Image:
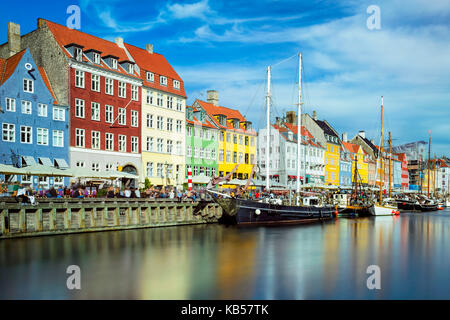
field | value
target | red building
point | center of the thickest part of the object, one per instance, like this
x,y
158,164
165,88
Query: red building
x,y
405,175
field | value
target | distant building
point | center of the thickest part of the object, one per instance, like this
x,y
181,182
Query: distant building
x,y
345,164
34,124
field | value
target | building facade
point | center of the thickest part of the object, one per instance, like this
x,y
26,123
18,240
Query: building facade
x,y
34,124
359,160
332,152
201,143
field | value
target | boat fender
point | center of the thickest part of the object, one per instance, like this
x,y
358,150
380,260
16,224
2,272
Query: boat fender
x,y
257,212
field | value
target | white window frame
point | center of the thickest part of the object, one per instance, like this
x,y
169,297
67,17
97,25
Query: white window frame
x,y
96,57
42,107
9,131
79,79
134,92
95,82
134,144
163,81
122,116
29,133
28,85
95,111
58,138
134,118
122,143
80,136
59,114
109,86
149,120
79,108
150,76
26,107
122,89
42,136
10,104
109,113
109,141
95,140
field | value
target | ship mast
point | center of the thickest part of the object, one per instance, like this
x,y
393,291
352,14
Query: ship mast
x,y
268,129
381,154
299,120
429,158
390,156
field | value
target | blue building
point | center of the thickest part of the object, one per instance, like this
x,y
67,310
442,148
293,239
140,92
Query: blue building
x,y
346,168
34,126
397,174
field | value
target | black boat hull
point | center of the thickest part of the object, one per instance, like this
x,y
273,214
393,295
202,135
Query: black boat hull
x,y
248,212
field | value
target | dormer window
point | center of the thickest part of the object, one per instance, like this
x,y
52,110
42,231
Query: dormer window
x,y
78,54
113,63
130,68
96,57
176,84
163,80
150,76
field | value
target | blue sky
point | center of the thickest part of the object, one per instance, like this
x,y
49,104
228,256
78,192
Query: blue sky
x,y
227,45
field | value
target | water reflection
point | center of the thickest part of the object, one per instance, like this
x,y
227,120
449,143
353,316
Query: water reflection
x,y
321,261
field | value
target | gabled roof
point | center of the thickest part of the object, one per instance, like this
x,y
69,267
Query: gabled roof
x,y
156,63
351,147
325,126
285,128
213,110
7,66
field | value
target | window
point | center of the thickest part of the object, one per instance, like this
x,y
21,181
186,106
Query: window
x,y
79,164
179,126
95,141
169,146
195,132
79,108
159,100
202,153
95,111
79,137
149,97
95,166
109,114
195,152
169,124
246,141
78,54
228,137
240,139
149,169
234,139
221,155
58,138
109,141
149,143
134,93
252,160
134,118
130,68
169,102
109,86
189,151
150,76
9,132
221,135
195,171
122,89
26,135
159,145
134,144
26,107
59,114
95,82
42,110
109,167
241,156
122,116
42,136
235,157
176,84
213,154
159,122
189,131
162,80
122,143
10,104
149,120
228,156
28,85
159,170
202,133
79,79
179,150
179,104
113,63
96,57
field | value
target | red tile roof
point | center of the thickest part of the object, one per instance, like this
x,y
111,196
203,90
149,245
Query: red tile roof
x,y
352,148
9,65
156,63
213,110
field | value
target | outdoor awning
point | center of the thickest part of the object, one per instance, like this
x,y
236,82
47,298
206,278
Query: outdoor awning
x,y
28,160
8,169
61,163
45,162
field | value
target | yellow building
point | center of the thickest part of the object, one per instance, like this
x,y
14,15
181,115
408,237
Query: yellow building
x,y
361,162
332,153
162,119
237,138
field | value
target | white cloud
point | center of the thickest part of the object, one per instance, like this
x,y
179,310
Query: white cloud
x,y
194,10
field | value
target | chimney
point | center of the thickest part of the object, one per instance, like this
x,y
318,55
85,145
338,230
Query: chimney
x,y
291,117
40,22
119,42
344,137
13,38
362,134
314,115
213,97
149,48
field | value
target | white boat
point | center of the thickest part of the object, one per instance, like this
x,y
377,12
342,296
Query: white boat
x,y
383,210
447,203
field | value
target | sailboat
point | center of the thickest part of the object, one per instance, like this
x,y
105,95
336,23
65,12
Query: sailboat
x,y
236,210
380,208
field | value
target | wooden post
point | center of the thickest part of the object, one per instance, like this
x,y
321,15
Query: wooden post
x,y
82,218
148,214
117,215
94,217
22,220
5,221
38,224
52,219
139,212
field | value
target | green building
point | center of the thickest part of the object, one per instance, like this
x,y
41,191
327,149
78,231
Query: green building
x,y
201,143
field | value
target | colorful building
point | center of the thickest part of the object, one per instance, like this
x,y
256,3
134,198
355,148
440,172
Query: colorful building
x,y
201,143
34,124
162,120
356,152
332,153
345,172
237,138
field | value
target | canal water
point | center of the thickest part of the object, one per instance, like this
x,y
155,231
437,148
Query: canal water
x,y
321,261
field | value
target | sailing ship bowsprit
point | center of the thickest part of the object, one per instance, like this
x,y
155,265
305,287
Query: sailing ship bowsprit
x,y
237,210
